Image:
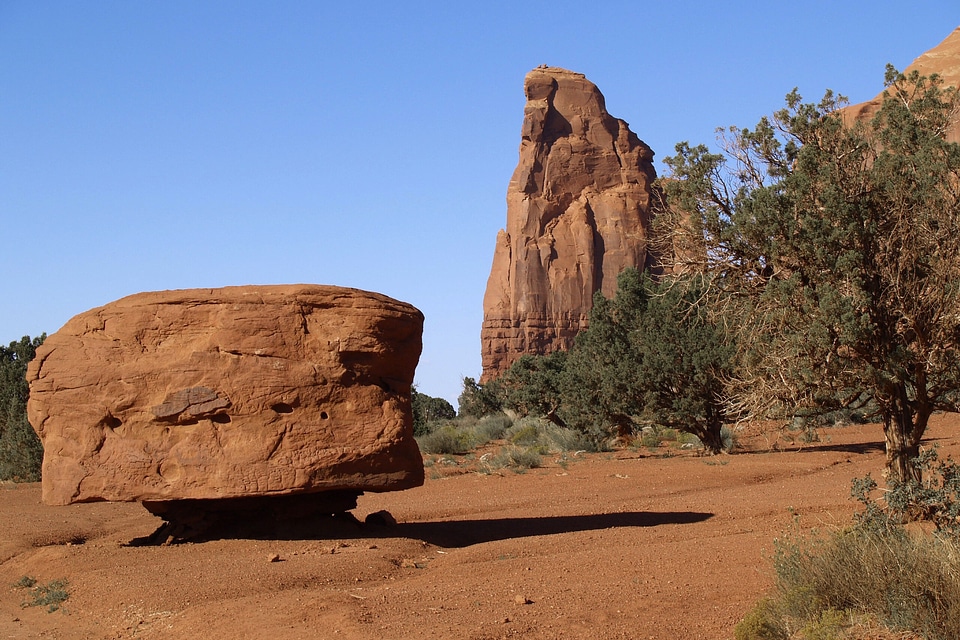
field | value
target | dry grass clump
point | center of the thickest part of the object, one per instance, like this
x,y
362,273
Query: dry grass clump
x,y
876,572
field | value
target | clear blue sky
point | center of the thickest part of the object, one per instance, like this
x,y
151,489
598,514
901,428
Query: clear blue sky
x,y
175,144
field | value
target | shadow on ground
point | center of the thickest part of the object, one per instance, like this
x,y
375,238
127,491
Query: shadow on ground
x,y
442,533
464,533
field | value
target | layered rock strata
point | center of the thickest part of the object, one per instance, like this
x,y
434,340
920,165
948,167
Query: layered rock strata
x,y
578,212
229,394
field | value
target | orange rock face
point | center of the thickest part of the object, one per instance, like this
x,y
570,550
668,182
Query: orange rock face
x,y
228,393
578,212
944,60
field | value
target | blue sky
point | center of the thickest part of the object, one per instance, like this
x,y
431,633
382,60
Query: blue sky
x,y
176,144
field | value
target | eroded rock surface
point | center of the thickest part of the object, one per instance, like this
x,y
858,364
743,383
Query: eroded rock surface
x,y
228,393
578,212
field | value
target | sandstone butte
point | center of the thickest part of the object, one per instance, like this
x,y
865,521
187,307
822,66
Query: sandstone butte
x,y
212,395
944,60
578,212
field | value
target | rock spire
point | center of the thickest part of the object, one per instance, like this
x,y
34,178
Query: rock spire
x,y
578,212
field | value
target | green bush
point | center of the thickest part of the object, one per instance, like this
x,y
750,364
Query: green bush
x,y
492,427
447,439
20,450
763,622
50,595
908,581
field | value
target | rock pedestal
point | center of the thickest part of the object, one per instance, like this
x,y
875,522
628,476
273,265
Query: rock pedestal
x,y
578,212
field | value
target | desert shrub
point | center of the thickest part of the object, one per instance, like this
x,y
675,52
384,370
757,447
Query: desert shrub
x,y
463,434
934,497
492,427
908,581
50,595
649,438
447,439
763,622
562,440
524,458
518,458
525,431
728,439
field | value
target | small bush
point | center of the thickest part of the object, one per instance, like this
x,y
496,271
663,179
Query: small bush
x,y
492,427
877,569
447,439
561,440
525,432
689,439
728,438
524,458
763,622
50,595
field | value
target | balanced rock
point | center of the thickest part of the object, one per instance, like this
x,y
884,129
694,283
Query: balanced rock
x,y
944,60
229,394
578,212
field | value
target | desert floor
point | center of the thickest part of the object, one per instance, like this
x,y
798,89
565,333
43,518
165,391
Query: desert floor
x,y
634,544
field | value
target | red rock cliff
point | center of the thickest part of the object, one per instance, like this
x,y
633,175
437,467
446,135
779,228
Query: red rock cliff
x,y
578,212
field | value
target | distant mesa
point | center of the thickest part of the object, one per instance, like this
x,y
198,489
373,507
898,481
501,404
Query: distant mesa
x,y
202,403
579,208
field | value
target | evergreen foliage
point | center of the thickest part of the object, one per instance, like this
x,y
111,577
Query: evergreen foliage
x,y
428,409
478,400
839,244
20,450
652,355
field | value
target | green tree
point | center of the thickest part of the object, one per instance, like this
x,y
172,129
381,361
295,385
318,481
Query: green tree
x,y
840,243
653,354
427,409
478,400
20,450
532,386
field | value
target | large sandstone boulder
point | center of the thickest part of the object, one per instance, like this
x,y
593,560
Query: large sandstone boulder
x,y
944,60
578,212
226,394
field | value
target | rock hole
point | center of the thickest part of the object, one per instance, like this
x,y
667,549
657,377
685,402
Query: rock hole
x,y
282,407
113,422
220,418
323,415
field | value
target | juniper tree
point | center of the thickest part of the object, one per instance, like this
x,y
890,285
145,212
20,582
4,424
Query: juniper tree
x,y
654,354
20,450
840,243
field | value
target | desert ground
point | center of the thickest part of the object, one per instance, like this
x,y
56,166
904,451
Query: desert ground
x,y
640,544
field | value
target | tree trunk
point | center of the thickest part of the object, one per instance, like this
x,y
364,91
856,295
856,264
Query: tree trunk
x,y
903,430
711,436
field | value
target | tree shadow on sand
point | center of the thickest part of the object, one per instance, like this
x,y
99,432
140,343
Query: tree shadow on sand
x,y
442,533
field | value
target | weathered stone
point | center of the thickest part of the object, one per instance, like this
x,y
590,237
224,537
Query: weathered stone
x,y
578,212
227,394
944,60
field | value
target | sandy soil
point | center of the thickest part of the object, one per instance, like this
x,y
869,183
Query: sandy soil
x,y
634,544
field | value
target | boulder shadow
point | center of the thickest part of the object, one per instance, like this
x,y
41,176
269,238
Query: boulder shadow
x,y
441,533
464,533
